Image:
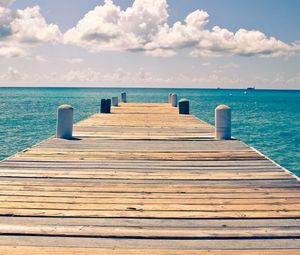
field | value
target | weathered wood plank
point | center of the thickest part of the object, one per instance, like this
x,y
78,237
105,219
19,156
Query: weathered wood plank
x,y
133,212
150,232
19,250
175,244
148,222
145,200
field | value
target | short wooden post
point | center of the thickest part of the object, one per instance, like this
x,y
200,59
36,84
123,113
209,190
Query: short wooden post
x,y
169,101
223,122
174,100
184,106
124,97
64,127
115,101
105,106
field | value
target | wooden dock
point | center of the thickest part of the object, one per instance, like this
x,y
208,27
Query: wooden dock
x,y
146,180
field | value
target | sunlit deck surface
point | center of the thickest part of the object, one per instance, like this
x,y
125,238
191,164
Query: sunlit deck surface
x,y
146,180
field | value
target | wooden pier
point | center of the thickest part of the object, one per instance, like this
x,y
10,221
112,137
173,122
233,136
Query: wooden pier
x,y
146,180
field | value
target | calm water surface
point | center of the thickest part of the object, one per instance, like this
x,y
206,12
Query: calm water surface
x,y
267,120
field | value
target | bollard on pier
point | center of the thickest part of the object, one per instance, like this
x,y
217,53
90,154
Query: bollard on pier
x,y
184,106
124,97
174,100
64,127
169,100
115,101
105,106
223,122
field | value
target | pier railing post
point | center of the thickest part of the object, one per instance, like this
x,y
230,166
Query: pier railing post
x,y
223,122
124,97
174,100
115,101
170,95
184,106
64,127
105,106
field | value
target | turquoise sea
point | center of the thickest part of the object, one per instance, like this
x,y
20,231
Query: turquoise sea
x,y
266,119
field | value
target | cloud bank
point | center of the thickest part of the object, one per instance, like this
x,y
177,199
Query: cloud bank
x,y
144,27
22,29
6,3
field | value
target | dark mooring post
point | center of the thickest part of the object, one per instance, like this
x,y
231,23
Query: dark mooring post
x,y
115,101
124,97
184,106
105,106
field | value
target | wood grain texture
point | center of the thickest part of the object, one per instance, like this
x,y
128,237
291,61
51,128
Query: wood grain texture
x,y
146,180
19,250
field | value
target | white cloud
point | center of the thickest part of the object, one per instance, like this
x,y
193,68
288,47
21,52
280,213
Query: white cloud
x,y
160,52
206,64
22,29
30,27
118,76
244,43
107,27
144,27
6,2
216,78
11,52
74,60
231,66
294,80
40,58
279,79
12,74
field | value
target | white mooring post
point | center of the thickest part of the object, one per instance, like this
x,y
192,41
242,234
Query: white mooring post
x,y
174,100
184,106
115,101
124,97
64,128
223,122
169,101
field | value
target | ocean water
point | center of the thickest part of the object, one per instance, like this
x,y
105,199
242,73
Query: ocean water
x,y
268,120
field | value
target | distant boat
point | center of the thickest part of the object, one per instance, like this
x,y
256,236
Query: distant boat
x,y
245,92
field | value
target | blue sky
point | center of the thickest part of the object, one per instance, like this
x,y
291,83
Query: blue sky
x,y
230,43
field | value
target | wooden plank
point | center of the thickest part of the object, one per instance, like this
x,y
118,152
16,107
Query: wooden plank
x,y
148,222
154,188
146,200
19,250
153,207
290,184
150,232
146,175
172,244
133,212
150,195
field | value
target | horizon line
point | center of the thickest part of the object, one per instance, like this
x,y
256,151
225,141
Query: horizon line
x,y
142,87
